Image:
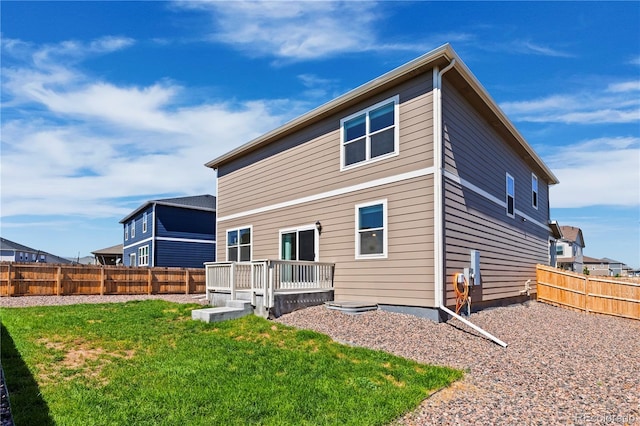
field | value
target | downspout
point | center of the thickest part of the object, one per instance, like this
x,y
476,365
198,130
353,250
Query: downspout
x,y
438,214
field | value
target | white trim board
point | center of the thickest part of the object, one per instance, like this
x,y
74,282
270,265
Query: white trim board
x,y
490,197
333,193
183,240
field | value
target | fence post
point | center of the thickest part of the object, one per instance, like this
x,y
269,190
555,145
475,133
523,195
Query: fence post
x,y
102,281
9,280
149,282
186,281
59,282
586,294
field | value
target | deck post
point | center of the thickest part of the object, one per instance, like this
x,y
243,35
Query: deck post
x,y
232,279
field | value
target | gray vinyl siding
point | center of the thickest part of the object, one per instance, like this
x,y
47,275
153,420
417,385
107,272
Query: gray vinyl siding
x,y
308,162
405,277
509,247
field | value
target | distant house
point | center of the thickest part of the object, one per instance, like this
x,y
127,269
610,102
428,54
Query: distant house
x,y
607,267
108,256
401,183
171,232
13,252
569,249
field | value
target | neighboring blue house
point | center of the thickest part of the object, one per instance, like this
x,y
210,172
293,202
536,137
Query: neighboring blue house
x,y
14,252
171,232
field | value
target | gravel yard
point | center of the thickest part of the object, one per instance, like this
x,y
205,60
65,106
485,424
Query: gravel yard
x,y
561,367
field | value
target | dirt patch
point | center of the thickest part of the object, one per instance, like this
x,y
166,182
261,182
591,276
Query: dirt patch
x,y
77,358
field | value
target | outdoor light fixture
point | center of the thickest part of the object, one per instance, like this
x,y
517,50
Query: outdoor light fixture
x,y
319,227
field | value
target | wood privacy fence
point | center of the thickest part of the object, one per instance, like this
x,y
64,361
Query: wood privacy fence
x,y
37,279
603,295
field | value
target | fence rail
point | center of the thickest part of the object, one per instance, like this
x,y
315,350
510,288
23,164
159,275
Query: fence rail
x,y
603,295
25,279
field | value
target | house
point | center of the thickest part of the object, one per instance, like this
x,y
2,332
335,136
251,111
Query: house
x,y
108,256
13,252
598,267
569,249
177,232
606,267
400,184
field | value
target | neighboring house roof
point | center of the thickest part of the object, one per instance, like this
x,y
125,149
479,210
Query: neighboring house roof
x,y
196,202
11,245
440,57
593,260
573,234
113,250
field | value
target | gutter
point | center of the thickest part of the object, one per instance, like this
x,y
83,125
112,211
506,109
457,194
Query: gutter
x,y
438,213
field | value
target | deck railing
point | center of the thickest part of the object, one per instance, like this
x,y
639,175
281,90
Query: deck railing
x,y
267,277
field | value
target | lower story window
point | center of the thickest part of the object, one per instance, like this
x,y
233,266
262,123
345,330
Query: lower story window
x,y
132,259
143,256
239,245
371,230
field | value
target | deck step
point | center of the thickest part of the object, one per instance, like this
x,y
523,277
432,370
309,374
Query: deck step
x,y
233,309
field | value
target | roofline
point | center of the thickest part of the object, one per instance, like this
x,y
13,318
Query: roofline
x,y
443,52
162,203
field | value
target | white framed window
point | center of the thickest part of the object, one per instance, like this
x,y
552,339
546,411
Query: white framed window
x,y
126,232
371,230
239,244
133,228
534,191
132,259
143,256
300,243
511,196
370,135
144,222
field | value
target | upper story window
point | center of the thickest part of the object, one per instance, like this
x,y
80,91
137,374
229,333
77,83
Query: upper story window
x,y
511,196
133,228
144,222
371,230
534,191
239,245
370,135
560,250
126,231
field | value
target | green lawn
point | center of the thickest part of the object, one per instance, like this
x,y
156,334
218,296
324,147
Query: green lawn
x,y
148,363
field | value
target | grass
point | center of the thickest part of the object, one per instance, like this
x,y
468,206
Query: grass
x,y
147,363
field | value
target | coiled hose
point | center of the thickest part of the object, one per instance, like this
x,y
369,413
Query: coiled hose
x,y
462,297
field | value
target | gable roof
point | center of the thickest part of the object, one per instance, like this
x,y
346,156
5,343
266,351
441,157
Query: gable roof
x,y
573,234
195,202
442,56
11,245
113,250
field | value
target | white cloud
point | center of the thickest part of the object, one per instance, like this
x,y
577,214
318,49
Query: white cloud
x,y
75,146
303,30
603,171
616,103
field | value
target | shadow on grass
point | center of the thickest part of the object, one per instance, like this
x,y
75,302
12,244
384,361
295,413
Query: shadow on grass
x,y
27,405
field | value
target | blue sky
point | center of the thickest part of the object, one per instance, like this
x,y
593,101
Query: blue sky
x,y
108,104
